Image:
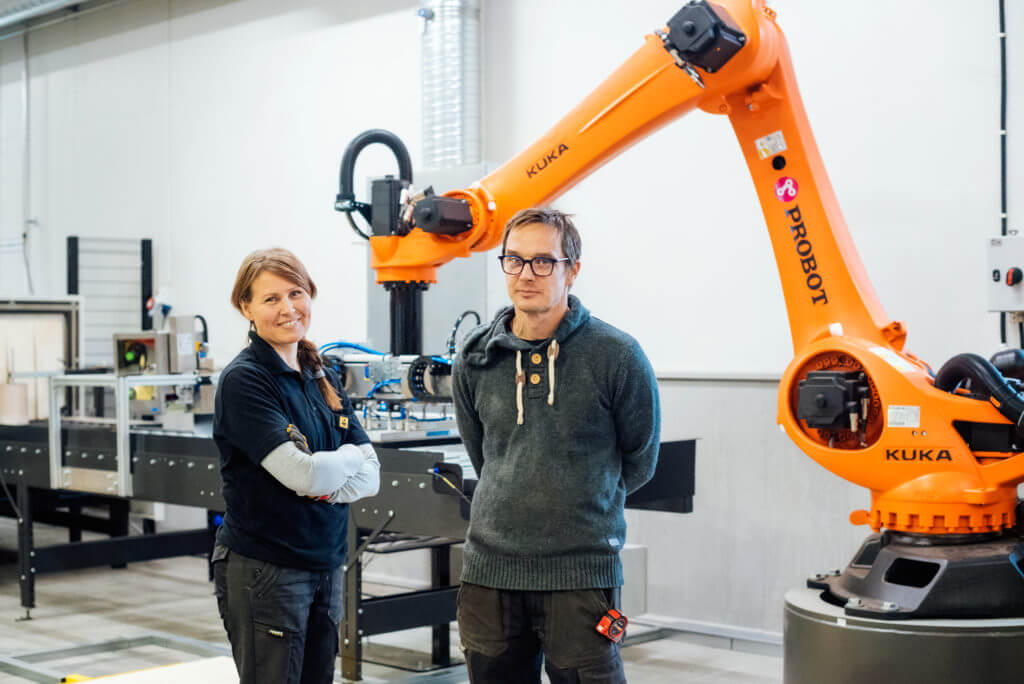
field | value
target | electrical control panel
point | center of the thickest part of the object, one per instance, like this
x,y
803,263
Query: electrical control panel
x,y
1006,274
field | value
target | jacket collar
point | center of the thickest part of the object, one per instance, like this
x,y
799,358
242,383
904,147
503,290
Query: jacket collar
x,y
269,357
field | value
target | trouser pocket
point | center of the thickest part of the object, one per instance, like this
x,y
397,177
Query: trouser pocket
x,y
220,589
277,655
570,638
483,619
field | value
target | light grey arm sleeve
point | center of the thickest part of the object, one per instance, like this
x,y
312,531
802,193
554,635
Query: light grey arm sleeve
x,y
365,482
317,474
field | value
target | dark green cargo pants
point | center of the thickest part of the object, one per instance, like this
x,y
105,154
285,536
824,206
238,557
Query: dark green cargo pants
x,y
508,635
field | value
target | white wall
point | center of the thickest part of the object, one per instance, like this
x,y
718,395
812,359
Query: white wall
x,y
903,98
765,516
214,128
217,127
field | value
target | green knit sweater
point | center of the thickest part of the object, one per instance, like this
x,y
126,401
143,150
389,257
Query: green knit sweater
x,y
559,432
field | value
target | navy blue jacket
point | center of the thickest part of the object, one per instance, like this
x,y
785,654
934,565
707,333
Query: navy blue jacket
x,y
258,396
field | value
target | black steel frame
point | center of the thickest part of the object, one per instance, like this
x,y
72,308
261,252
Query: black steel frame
x,y
434,607
116,552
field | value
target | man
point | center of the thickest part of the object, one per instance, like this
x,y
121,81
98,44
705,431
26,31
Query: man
x,y
559,413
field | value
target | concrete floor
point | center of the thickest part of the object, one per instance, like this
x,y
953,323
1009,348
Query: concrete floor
x,y
173,597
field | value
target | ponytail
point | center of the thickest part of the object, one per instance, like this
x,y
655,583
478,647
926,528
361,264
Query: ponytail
x,y
309,358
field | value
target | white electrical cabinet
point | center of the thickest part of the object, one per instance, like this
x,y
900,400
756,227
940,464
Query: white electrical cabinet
x,y
1006,274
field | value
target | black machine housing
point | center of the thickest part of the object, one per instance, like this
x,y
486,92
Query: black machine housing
x,y
705,35
826,399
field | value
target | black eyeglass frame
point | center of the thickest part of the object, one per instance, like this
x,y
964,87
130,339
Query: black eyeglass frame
x,y
555,262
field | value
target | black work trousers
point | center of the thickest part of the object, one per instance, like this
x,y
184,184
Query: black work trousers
x,y
507,636
282,622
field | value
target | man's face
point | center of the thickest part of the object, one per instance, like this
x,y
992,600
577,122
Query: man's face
x,y
280,309
530,293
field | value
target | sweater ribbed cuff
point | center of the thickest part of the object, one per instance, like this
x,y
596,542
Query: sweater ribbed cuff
x,y
528,573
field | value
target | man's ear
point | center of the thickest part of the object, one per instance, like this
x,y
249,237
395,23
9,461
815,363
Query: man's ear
x,y
574,271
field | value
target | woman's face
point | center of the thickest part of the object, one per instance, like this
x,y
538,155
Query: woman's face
x,y
280,309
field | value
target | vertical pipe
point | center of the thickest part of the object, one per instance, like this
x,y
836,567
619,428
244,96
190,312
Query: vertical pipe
x,y
26,184
450,97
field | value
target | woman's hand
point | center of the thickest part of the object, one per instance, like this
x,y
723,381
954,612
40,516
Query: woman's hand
x,y
300,439
302,444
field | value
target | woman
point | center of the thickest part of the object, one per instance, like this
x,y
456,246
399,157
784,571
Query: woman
x,y
292,456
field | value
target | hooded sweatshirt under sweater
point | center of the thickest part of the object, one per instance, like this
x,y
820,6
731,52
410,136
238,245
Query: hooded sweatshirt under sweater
x,y
559,431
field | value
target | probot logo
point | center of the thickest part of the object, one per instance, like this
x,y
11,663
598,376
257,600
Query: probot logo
x,y
804,250
786,189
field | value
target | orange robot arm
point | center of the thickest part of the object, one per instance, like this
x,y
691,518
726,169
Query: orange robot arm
x,y
936,460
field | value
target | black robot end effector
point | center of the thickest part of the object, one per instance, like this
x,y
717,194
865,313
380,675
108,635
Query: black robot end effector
x,y
704,35
442,215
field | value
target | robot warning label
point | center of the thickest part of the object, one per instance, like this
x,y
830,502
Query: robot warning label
x,y
897,362
770,145
786,189
904,416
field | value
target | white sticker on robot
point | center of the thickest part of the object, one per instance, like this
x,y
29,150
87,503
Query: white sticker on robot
x,y
894,359
904,416
771,144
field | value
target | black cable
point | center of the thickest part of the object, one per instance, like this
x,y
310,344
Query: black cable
x,y
206,330
1020,333
346,184
1002,140
983,376
458,321
438,475
351,222
10,498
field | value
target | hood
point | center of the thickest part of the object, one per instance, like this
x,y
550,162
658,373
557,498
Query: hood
x,y
485,343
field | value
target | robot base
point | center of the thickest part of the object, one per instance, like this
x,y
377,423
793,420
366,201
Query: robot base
x,y
898,576
823,645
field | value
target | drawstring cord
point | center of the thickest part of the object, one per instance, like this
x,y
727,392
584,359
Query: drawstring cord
x,y
552,355
520,382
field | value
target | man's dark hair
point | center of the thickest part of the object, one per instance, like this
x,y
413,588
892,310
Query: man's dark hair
x,y
572,246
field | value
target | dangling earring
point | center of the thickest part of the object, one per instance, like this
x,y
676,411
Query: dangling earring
x,y
252,325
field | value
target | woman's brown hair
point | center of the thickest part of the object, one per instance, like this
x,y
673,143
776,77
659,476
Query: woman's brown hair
x,y
283,263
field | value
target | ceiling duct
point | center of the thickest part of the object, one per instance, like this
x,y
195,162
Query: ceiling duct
x,y
18,16
451,92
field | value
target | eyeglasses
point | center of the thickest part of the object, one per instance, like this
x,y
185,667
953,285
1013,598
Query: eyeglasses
x,y
541,266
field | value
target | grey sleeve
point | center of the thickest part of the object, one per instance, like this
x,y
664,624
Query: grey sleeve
x,y
471,430
637,414
317,474
363,483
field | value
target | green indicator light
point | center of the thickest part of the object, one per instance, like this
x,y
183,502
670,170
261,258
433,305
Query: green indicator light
x,y
129,356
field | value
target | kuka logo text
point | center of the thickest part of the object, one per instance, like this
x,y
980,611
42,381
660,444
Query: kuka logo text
x,y
917,455
546,159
